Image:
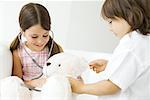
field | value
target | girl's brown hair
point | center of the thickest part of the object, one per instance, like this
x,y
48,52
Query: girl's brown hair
x,y
32,14
135,12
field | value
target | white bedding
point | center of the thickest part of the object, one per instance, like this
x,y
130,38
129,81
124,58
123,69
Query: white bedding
x,y
89,75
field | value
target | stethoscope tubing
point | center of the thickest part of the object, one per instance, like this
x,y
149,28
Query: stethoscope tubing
x,y
50,51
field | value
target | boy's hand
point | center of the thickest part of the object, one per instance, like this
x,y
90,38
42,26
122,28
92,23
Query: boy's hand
x,y
76,85
98,65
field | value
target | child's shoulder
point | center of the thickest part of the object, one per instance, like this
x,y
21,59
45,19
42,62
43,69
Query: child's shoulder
x,y
15,53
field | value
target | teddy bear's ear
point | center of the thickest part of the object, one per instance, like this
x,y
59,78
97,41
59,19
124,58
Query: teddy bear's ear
x,y
48,63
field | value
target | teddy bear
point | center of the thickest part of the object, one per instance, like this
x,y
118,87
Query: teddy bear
x,y
57,69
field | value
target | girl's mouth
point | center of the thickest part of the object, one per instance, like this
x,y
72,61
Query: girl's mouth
x,y
40,45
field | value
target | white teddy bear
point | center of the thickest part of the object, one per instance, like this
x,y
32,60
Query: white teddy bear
x,y
57,68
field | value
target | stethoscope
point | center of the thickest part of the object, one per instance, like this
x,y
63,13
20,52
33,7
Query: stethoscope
x,y
50,51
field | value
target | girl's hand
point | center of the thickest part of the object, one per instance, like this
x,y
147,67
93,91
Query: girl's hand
x,y
76,85
37,82
98,65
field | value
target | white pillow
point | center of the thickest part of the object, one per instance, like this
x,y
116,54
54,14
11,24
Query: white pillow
x,y
5,61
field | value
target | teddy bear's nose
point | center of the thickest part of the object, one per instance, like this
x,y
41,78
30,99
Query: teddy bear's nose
x,y
48,63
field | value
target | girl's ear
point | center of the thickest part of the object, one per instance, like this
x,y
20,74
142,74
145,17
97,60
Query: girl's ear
x,y
22,31
23,35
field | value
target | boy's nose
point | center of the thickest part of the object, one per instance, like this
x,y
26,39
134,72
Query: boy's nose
x,y
110,28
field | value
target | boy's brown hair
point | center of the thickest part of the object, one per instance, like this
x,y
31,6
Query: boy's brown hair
x,y
135,12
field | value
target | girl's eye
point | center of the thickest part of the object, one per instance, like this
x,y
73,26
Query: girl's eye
x,y
34,37
45,35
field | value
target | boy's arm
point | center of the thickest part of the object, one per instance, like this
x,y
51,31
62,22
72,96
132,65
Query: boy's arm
x,y
100,88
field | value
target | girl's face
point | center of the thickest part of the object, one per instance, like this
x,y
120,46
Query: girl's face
x,y
119,26
37,37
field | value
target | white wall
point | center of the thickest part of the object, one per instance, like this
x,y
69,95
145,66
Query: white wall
x,y
87,30
76,24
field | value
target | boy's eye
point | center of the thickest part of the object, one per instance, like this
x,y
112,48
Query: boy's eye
x,y
109,22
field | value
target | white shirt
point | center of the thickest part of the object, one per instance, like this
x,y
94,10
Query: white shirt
x,y
129,68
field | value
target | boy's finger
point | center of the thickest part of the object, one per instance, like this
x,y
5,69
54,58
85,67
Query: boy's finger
x,y
92,62
94,69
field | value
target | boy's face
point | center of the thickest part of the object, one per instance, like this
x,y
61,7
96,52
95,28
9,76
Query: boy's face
x,y
119,26
36,38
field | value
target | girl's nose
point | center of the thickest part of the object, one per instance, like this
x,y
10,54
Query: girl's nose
x,y
40,41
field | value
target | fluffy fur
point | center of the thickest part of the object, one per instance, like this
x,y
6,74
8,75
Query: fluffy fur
x,y
57,68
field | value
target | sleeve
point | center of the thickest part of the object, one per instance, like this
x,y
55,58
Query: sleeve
x,y
124,69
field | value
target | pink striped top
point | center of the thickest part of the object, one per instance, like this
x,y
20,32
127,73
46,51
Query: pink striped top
x,y
30,69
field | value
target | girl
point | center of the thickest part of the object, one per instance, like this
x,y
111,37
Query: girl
x,y
126,73
30,54
35,24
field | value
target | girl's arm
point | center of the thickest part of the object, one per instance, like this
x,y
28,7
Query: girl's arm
x,y
17,71
36,82
17,67
100,88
